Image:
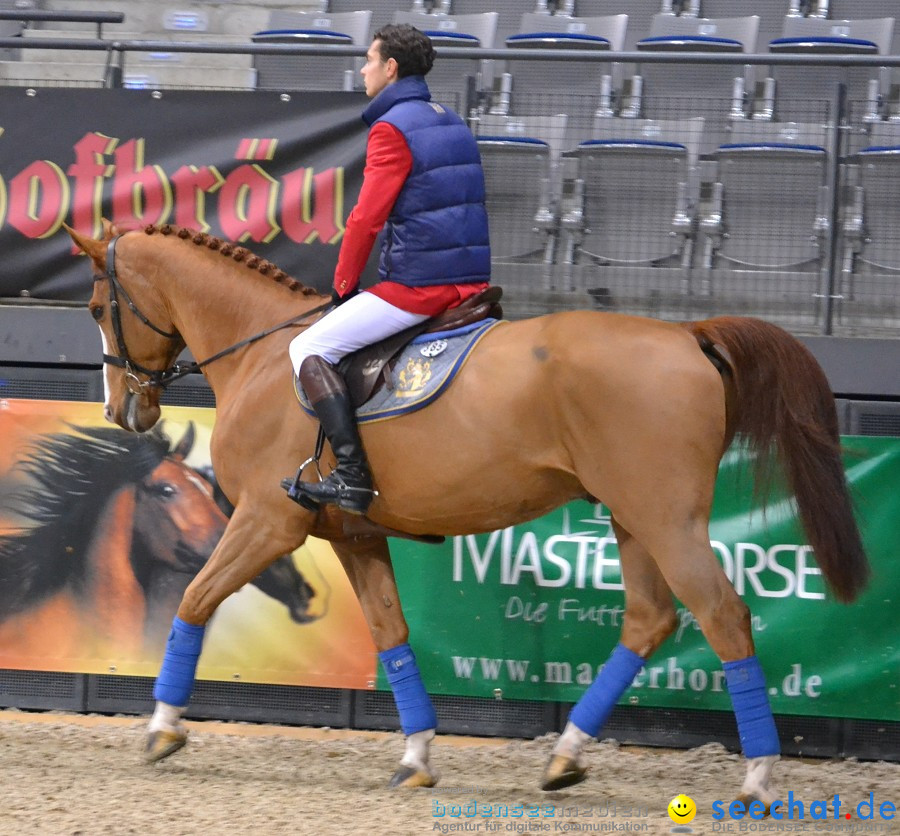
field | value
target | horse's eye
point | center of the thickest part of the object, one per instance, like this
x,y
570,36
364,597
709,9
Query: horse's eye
x,y
97,313
165,490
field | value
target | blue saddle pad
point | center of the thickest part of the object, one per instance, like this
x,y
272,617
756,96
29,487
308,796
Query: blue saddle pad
x,y
423,371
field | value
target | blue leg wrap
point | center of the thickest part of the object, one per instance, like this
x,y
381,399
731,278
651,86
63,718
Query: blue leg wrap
x,y
756,726
176,677
413,703
595,705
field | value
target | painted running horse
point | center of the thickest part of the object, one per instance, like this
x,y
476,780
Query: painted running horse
x,y
634,412
115,526
110,519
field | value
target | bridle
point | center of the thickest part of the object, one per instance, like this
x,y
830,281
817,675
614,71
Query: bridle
x,y
160,378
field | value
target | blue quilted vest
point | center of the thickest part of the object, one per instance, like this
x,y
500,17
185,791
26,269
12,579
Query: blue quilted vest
x,y
437,232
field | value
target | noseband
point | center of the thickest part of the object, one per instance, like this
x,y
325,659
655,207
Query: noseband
x,y
156,377
160,378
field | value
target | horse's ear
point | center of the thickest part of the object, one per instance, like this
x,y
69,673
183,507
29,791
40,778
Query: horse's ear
x,y
184,447
110,230
95,249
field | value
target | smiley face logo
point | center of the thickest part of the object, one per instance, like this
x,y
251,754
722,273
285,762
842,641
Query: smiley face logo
x,y
682,809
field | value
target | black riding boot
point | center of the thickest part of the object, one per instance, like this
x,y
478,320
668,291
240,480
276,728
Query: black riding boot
x,y
349,485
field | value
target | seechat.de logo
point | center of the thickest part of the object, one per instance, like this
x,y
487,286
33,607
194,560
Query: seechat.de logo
x,y
682,810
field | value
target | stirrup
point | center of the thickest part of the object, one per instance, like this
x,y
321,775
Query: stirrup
x,y
350,498
292,486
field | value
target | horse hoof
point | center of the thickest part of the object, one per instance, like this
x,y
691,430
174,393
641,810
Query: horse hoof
x,y
408,776
562,772
161,744
746,797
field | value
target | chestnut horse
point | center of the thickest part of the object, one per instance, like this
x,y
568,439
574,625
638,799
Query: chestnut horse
x,y
633,412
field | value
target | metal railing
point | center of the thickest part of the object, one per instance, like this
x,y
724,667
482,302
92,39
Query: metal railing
x,y
41,16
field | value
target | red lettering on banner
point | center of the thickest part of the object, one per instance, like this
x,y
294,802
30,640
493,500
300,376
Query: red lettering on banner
x,y
247,205
141,193
38,199
250,204
89,171
192,184
266,149
244,150
256,149
313,205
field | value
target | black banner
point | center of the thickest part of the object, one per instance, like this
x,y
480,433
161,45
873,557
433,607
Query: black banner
x,y
277,173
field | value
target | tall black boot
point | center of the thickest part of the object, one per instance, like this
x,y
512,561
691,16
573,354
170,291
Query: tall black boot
x,y
349,485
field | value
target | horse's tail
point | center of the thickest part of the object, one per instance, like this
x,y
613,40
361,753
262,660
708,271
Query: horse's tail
x,y
780,396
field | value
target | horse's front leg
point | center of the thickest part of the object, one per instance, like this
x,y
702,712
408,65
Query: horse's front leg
x,y
250,543
367,562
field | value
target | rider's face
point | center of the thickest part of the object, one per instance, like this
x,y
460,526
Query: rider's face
x,y
378,73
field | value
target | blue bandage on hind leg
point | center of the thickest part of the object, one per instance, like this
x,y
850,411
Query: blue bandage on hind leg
x,y
756,725
596,704
176,677
413,703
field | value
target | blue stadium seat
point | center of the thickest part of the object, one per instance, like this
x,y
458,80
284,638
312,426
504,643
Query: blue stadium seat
x,y
455,80
636,194
867,296
768,208
797,86
639,13
879,180
545,86
713,92
298,72
521,158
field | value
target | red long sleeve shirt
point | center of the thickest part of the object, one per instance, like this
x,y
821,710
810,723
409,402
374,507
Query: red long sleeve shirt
x,y
388,163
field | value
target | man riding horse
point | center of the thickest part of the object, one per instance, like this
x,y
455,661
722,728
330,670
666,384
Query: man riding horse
x,y
423,178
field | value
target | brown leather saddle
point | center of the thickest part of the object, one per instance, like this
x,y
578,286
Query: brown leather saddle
x,y
365,370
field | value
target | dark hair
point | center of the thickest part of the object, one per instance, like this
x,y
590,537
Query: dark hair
x,y
410,48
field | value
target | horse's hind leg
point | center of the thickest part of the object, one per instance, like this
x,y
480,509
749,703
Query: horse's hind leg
x,y
688,564
367,562
247,547
649,619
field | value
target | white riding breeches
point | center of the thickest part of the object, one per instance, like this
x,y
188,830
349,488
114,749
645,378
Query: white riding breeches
x,y
358,322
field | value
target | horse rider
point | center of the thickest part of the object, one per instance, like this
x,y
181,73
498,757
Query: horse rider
x,y
423,179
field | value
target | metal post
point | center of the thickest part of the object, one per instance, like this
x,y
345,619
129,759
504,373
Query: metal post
x,y
471,102
113,75
838,108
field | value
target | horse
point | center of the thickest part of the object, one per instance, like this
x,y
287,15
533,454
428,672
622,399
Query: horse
x,y
116,527
281,581
632,412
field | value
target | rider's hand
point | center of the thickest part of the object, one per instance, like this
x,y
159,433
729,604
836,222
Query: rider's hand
x,y
337,299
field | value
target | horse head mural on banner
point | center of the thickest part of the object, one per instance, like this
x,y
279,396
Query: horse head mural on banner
x,y
112,528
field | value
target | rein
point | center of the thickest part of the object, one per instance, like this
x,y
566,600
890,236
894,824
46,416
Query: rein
x,y
163,377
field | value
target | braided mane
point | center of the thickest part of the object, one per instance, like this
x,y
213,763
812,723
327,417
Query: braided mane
x,y
239,254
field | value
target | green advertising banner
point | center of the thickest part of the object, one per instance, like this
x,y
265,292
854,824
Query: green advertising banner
x,y
532,612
